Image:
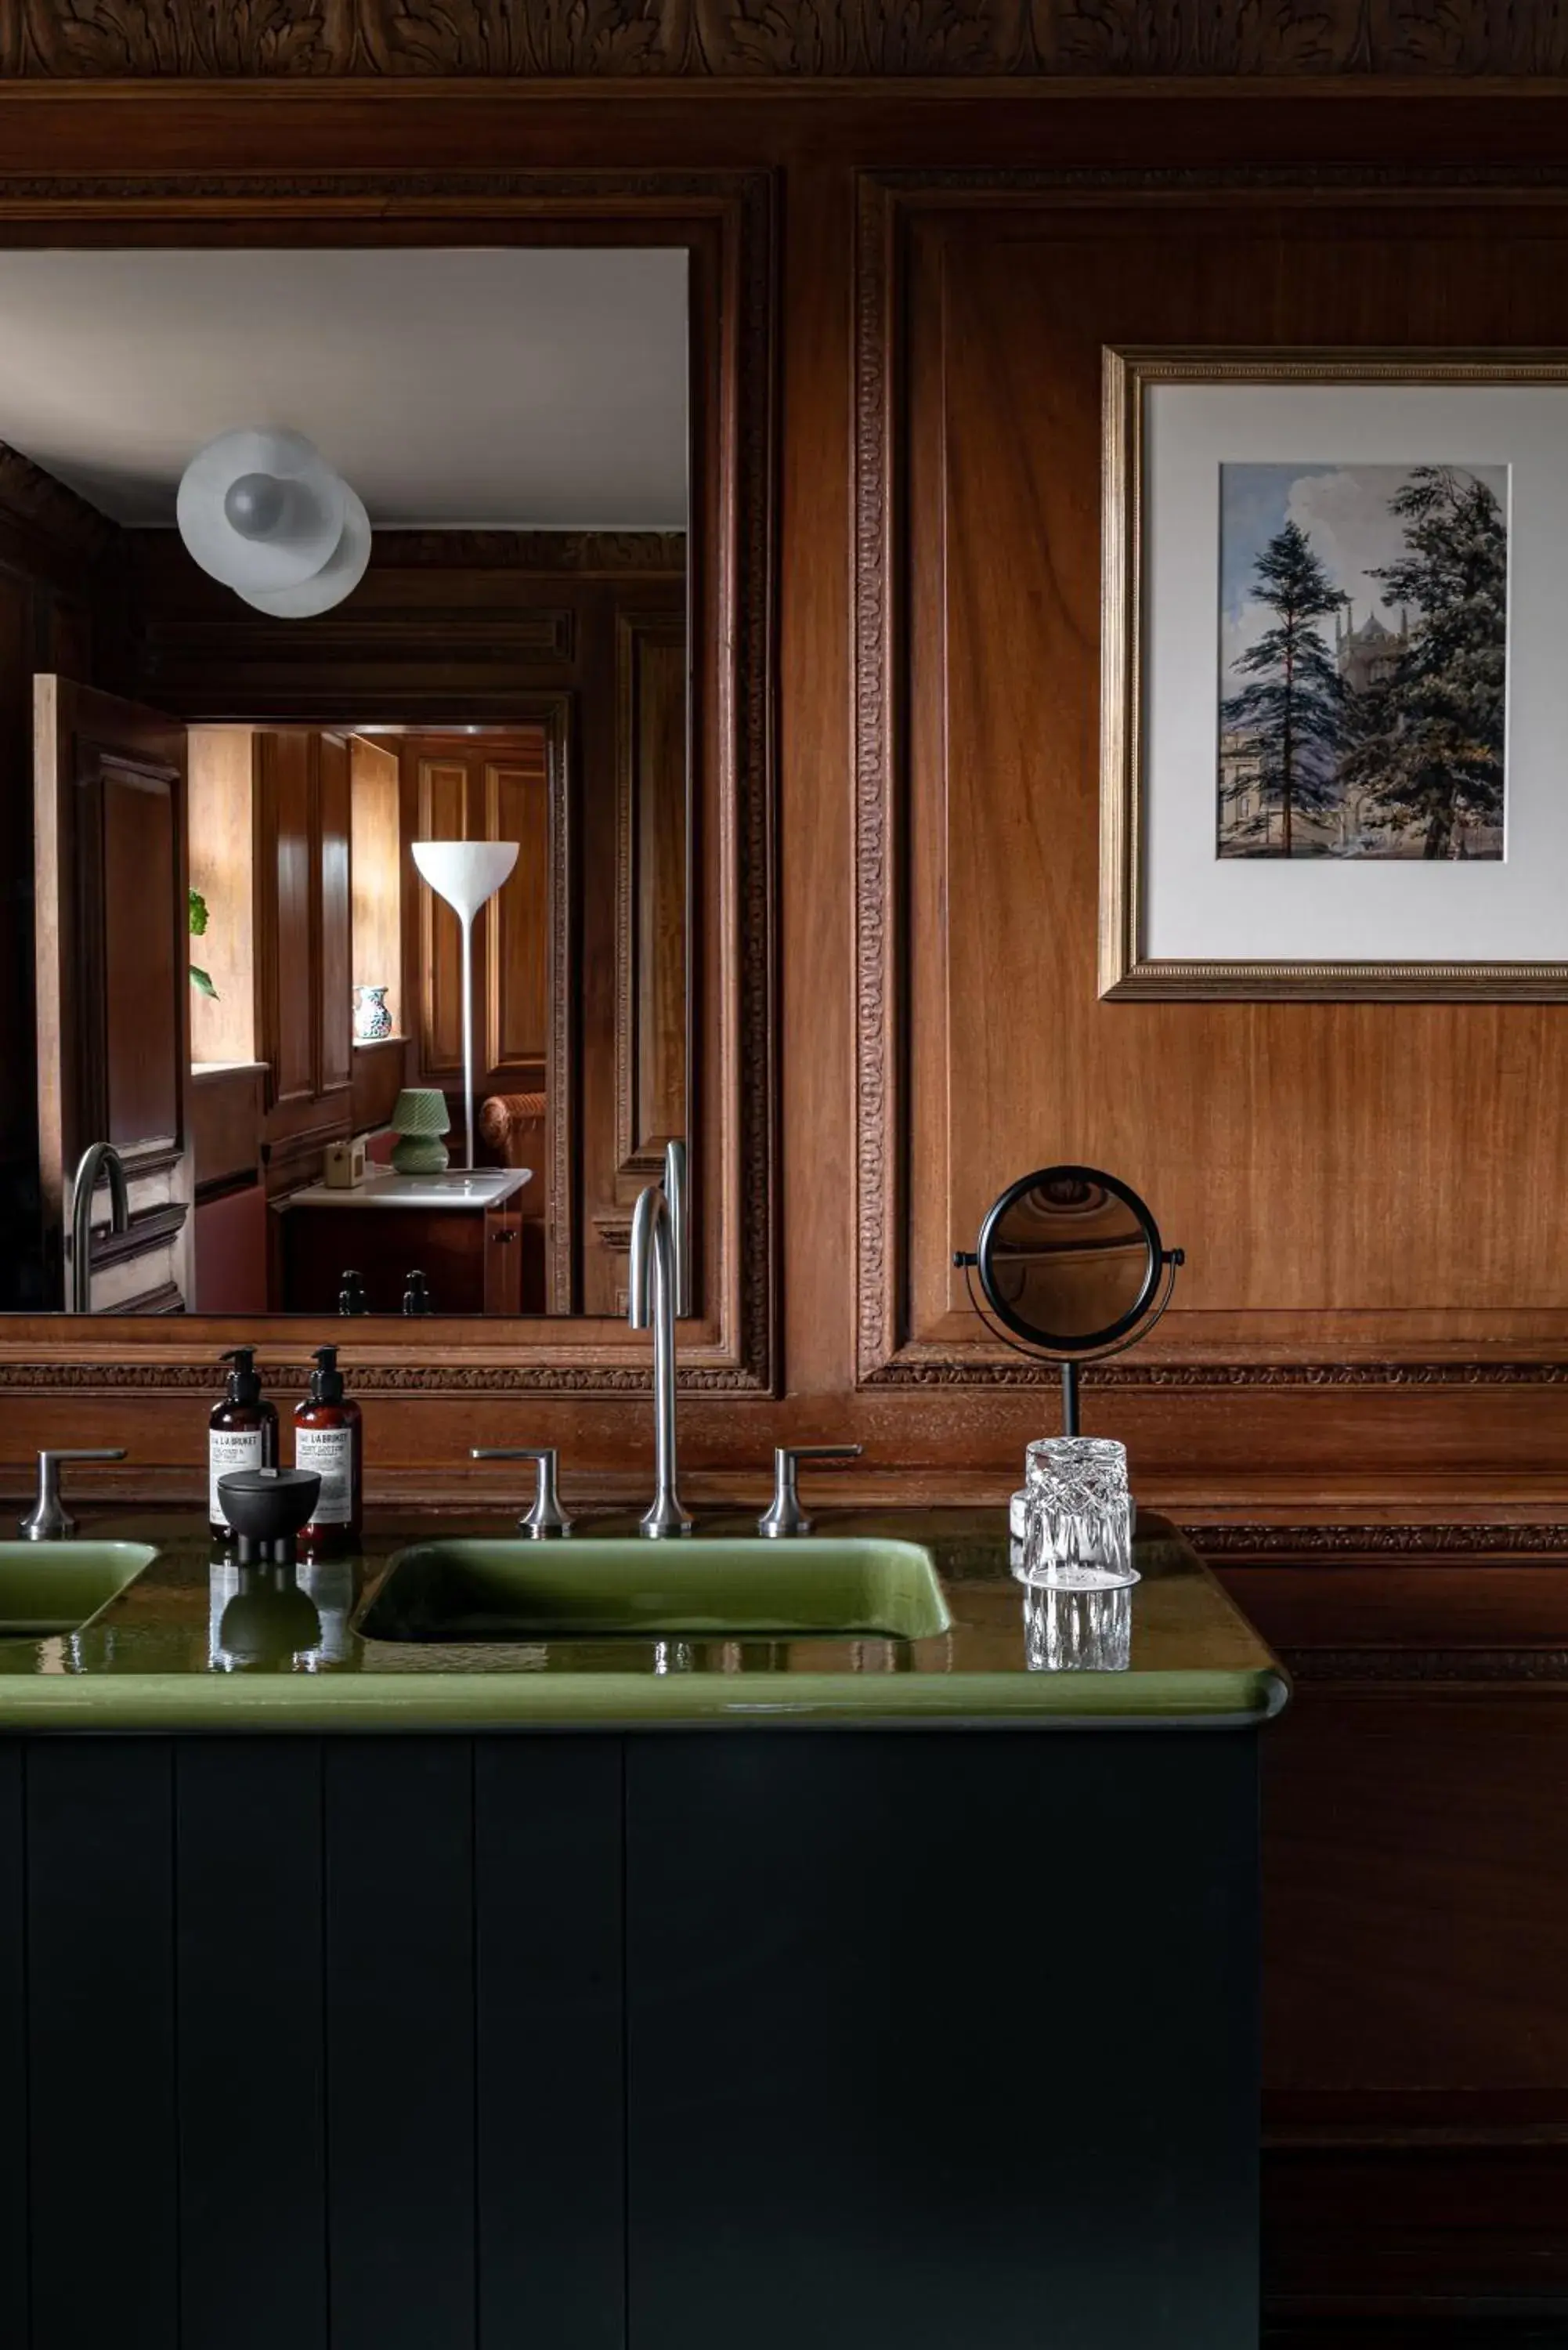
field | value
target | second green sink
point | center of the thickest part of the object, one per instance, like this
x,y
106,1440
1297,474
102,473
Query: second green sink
x,y
461,1592
57,1586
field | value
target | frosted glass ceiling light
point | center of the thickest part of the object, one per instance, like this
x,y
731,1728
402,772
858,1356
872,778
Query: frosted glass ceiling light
x,y
338,575
262,511
466,873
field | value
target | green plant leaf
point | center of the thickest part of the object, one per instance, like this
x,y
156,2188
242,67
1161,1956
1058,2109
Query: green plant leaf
x,y
202,982
198,914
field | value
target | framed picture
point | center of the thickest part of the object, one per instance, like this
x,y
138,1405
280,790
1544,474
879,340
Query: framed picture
x,y
1334,739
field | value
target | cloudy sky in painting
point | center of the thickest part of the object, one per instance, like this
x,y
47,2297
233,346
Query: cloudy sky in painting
x,y
1343,510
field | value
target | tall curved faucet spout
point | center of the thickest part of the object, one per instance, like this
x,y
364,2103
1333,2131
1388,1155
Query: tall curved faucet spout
x,y
98,1159
652,1293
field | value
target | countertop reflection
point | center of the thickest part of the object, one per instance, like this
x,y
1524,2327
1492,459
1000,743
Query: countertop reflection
x,y
197,1642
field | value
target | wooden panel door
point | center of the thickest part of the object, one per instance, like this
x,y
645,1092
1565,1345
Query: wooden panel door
x,y
304,937
113,992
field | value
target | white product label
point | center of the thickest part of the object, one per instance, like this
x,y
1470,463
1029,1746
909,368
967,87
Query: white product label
x,y
228,1450
328,1453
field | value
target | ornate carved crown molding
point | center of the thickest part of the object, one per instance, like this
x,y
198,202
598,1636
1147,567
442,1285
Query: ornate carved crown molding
x,y
796,39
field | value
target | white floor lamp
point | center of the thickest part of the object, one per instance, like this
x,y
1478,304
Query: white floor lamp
x,y
466,873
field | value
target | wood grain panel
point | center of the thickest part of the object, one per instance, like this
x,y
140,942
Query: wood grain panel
x,y
335,1004
375,868
287,910
442,812
1312,1163
794,40
144,1035
222,868
517,944
652,1010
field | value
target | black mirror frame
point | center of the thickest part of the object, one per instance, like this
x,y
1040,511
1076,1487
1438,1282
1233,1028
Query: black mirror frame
x,y
1031,1335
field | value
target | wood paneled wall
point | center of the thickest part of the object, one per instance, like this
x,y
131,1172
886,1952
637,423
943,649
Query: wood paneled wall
x,y
1370,1346
59,582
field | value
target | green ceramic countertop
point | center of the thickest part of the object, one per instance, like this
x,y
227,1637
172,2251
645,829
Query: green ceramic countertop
x,y
188,1646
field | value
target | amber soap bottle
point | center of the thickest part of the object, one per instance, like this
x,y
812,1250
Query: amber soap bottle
x,y
242,1433
328,1441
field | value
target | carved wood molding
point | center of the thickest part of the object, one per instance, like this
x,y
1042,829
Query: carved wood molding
x,y
793,40
915,1366
1236,1540
885,1355
435,1380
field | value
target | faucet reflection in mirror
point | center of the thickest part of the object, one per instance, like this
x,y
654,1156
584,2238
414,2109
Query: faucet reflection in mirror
x,y
98,1159
466,873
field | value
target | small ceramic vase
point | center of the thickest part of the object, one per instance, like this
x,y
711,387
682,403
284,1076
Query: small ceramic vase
x,y
372,1021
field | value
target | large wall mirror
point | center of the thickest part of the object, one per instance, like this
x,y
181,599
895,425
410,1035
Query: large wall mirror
x,y
392,819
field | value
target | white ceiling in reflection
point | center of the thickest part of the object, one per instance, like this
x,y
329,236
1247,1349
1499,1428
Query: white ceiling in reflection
x,y
504,389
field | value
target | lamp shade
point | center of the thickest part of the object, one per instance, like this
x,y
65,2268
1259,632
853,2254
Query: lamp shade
x,y
419,1120
262,511
338,575
465,872
420,1109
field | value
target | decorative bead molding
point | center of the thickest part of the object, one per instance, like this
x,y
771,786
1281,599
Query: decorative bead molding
x,y
1236,1540
789,39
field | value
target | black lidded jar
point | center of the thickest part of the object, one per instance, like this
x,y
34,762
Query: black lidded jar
x,y
242,1433
328,1441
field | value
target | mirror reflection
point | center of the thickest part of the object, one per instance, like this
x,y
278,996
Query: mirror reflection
x,y
1069,1257
361,793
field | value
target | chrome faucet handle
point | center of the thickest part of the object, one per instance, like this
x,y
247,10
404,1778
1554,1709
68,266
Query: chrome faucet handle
x,y
784,1515
48,1520
546,1520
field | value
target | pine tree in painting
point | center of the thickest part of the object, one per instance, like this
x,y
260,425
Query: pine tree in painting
x,y
1429,757
1289,716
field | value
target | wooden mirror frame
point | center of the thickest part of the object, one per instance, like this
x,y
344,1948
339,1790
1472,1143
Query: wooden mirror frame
x,y
725,221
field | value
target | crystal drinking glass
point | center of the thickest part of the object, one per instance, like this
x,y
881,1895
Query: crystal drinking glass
x,y
1078,1522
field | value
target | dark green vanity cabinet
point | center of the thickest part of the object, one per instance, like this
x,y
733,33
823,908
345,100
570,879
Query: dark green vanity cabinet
x,y
685,2038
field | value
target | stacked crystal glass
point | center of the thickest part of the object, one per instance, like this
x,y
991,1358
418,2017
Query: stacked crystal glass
x,y
1077,1524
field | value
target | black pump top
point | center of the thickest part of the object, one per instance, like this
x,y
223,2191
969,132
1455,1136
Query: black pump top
x,y
327,1379
244,1386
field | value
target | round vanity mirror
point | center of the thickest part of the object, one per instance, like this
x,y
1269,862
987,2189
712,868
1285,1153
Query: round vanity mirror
x,y
1070,1264
1069,1259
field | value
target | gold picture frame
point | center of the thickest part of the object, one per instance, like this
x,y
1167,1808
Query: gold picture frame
x,y
1126,972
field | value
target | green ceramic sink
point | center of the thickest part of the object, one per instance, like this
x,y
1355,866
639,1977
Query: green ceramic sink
x,y
58,1586
593,1589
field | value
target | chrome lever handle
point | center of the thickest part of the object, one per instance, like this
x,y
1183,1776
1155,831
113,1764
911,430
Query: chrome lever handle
x,y
546,1521
783,1514
48,1520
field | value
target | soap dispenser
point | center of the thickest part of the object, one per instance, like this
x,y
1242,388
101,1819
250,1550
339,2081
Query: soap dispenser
x,y
328,1441
242,1434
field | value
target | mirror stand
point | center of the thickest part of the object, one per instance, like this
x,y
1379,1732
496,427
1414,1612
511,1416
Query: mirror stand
x,y
1072,1267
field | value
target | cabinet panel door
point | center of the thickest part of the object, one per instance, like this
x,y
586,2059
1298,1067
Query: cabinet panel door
x,y
104,2137
111,991
14,2295
551,2132
251,2059
954,2035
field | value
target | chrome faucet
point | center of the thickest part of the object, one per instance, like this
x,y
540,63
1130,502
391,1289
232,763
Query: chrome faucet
x,y
97,1159
658,1290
